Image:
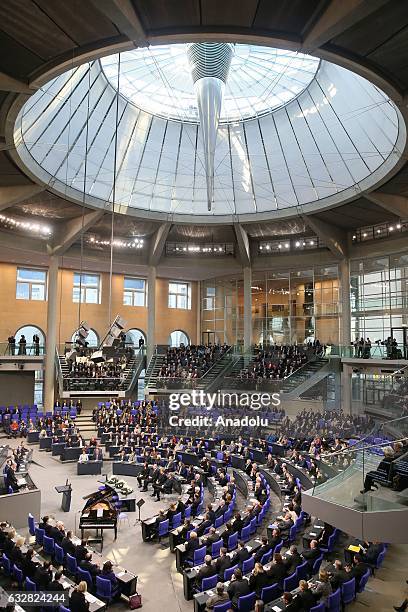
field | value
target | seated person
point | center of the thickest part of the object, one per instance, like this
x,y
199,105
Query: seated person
x,y
45,524
16,555
237,587
293,559
312,553
191,546
211,538
219,597
241,555
322,588
43,576
206,571
258,579
222,563
29,566
263,549
277,570
57,532
56,584
90,567
289,602
77,599
305,598
81,551
339,575
357,570
68,545
275,538
108,574
384,467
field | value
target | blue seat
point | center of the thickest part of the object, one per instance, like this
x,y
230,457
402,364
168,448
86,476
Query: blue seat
x,y
176,521
229,571
219,521
270,593
363,581
6,565
224,607
302,571
104,589
232,541
246,603
319,608
379,561
163,529
215,549
278,547
85,575
71,564
187,512
198,557
248,565
59,555
48,546
64,609
253,526
18,575
316,565
209,583
334,601
31,524
266,557
348,591
30,585
291,582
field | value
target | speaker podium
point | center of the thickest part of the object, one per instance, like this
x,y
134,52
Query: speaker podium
x,y
66,491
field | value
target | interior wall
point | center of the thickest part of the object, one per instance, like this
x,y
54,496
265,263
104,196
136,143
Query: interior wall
x,y
16,387
17,313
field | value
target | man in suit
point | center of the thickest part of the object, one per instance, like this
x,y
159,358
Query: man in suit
x,y
43,576
211,538
68,545
222,563
275,538
237,587
277,570
153,475
293,559
339,575
90,567
98,454
181,506
310,555
211,514
305,598
159,483
290,603
262,550
358,570
81,551
56,585
191,546
57,533
241,555
45,524
206,571
204,525
219,597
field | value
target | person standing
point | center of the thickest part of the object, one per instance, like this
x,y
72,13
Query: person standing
x,y
22,345
11,345
36,343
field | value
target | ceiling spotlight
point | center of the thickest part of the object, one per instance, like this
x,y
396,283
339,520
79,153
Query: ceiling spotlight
x,y
391,228
279,246
378,231
398,226
311,242
354,237
287,245
364,235
297,244
268,247
261,247
304,243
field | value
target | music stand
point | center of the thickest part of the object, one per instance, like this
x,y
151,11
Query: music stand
x,y
139,504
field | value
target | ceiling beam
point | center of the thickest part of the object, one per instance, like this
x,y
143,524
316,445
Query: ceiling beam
x,y
9,83
158,242
70,231
334,237
123,14
395,204
13,194
336,19
244,251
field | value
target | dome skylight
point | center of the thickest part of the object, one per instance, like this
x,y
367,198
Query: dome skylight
x,y
158,80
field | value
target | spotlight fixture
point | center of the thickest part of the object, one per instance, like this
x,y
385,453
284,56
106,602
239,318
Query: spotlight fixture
x,y
13,223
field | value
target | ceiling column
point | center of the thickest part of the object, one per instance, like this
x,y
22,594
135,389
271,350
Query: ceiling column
x,y
247,309
151,312
51,339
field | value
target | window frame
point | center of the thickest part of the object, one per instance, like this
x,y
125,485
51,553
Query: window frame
x,y
82,298
179,296
135,292
32,283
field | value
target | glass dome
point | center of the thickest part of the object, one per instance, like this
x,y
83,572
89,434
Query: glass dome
x,y
158,80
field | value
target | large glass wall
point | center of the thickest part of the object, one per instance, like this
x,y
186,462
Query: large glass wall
x,y
287,307
379,297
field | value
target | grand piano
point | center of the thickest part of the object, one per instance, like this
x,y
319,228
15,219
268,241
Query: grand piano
x,y
99,513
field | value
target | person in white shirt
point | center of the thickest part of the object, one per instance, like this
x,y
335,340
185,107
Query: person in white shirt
x,y
83,457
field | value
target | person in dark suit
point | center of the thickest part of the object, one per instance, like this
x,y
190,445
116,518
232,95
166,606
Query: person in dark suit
x,y
8,544
204,525
293,560
181,506
277,570
229,531
222,563
310,555
263,549
339,575
206,571
90,567
237,522
43,576
29,566
237,587
159,484
358,569
108,574
16,554
290,603
57,533
211,538
305,598
275,538
191,546
384,466
81,551
68,545
45,524
241,555
56,585
211,514
325,535
77,600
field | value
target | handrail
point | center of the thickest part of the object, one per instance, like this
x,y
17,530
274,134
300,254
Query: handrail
x,y
60,376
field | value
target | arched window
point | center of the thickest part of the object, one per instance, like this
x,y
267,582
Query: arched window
x,y
92,338
178,337
29,331
133,336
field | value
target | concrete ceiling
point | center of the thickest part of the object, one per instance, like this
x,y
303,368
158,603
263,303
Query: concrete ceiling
x,y
39,39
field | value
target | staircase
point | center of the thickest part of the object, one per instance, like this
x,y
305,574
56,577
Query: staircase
x,y
152,372
304,378
85,424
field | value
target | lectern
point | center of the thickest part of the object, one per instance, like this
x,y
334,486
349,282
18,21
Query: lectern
x,y
66,491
